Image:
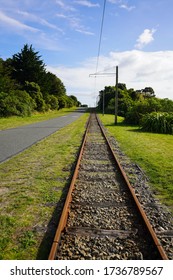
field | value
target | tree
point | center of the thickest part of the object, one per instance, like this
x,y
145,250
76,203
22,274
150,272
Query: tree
x,y
148,92
17,103
74,99
27,66
51,84
6,83
167,105
34,91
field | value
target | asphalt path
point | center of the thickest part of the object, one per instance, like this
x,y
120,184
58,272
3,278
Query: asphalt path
x,y
15,140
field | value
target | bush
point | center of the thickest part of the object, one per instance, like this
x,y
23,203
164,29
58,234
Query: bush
x,y
140,108
34,91
62,102
158,122
17,103
52,101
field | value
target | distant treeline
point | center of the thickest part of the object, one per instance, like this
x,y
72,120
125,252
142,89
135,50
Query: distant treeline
x,y
139,107
26,86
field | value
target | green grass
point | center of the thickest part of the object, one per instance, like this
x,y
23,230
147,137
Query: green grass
x,y
15,121
152,152
33,186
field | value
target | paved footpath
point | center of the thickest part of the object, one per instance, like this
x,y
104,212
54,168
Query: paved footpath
x,y
15,140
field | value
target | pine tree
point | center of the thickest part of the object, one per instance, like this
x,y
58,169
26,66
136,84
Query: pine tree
x,y
27,66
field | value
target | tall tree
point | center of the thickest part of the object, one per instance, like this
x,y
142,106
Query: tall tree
x,y
27,66
51,84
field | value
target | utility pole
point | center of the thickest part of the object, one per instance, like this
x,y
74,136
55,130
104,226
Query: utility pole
x,y
116,96
116,91
103,103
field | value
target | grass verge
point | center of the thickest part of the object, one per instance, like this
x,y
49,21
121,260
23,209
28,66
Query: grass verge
x,y
151,151
15,121
33,186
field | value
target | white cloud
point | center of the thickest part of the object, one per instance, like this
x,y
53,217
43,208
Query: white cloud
x,y
64,6
123,4
35,18
15,24
87,4
126,7
75,24
31,35
145,38
85,32
137,69
115,1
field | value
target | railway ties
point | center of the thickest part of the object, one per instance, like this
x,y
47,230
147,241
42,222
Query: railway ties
x,y
101,220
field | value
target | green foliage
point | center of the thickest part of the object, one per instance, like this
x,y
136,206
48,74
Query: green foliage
x,y
27,66
27,239
140,108
151,151
158,122
52,85
25,85
148,92
52,101
17,103
133,105
62,102
6,83
74,99
166,105
107,96
34,91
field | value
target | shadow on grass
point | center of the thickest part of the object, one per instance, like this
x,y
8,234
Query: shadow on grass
x,y
46,244
47,241
133,128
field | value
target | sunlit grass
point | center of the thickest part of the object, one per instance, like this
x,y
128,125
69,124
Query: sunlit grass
x,y
15,121
32,185
153,152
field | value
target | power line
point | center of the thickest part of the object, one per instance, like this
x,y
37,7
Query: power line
x,y
101,31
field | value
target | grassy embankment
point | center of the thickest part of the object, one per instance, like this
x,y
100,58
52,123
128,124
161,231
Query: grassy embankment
x,y
32,187
152,152
15,121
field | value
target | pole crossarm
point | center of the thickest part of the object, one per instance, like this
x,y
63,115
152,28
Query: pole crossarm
x,y
102,74
116,91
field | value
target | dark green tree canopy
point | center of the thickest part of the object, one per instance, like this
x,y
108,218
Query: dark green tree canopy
x,y
51,84
27,66
26,86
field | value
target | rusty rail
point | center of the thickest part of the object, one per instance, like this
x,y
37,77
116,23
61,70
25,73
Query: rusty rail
x,y
139,206
64,215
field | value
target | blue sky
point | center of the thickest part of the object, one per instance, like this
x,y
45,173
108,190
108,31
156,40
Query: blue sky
x,y
137,36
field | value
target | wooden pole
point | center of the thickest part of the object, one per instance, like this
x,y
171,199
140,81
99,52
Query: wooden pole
x,y
116,96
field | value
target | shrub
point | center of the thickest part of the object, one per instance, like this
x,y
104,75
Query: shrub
x,y
17,103
34,91
140,108
52,101
159,122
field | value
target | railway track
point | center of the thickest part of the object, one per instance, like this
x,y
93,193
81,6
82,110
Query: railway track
x,y
102,217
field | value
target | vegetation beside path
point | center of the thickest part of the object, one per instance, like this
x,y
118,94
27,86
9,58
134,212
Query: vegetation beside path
x,y
33,186
34,183
15,121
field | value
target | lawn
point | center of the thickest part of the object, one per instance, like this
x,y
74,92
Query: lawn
x,y
15,121
33,186
152,152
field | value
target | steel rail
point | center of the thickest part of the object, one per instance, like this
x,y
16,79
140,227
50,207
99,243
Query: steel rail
x,y
138,204
66,208
64,215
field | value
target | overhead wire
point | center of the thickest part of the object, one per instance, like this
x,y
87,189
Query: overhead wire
x,y
100,41
100,38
